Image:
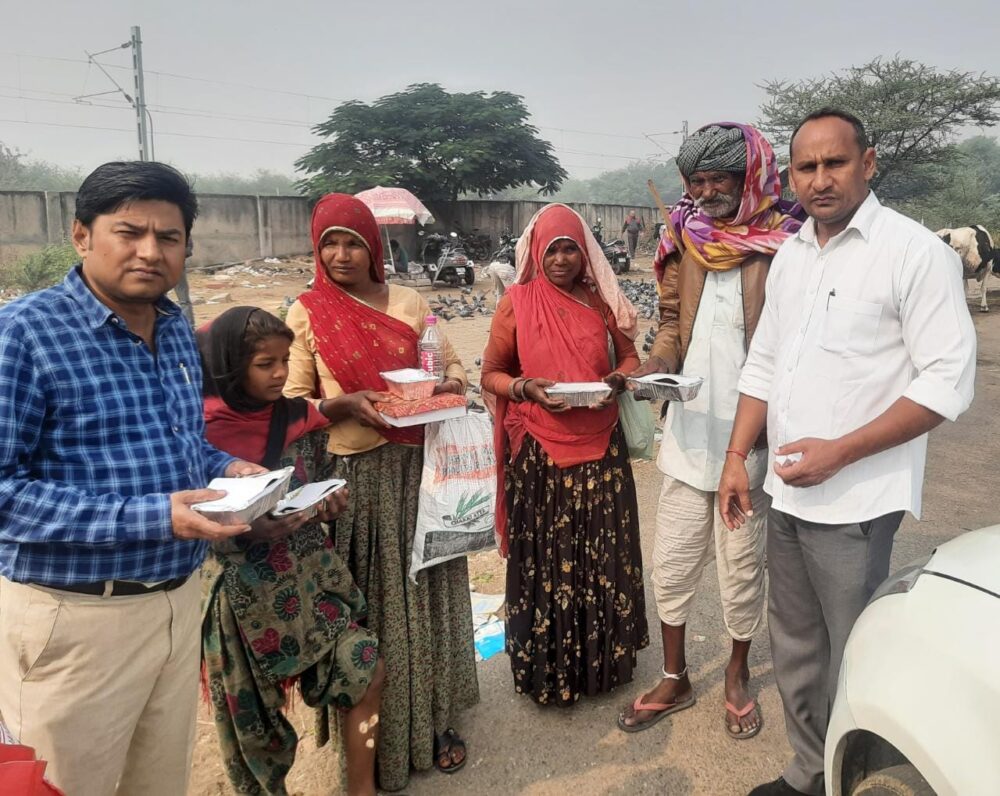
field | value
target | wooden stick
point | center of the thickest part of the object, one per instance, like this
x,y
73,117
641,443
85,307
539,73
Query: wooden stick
x,y
659,202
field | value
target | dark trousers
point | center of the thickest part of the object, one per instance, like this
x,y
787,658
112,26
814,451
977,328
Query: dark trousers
x,y
821,578
633,241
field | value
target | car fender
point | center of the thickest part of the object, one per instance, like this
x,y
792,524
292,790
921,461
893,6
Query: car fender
x,y
919,672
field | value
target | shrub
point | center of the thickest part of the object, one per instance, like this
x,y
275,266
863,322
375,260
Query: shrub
x,y
40,269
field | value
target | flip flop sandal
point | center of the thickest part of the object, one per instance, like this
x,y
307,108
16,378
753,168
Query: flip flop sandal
x,y
443,744
664,711
747,709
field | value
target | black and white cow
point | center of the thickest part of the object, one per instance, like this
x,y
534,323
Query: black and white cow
x,y
975,246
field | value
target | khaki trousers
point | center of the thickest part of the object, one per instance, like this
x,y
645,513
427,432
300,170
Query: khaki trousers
x,y
104,688
689,534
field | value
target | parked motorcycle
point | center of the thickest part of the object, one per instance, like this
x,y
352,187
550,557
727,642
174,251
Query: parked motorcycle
x,y
445,259
505,253
616,251
476,245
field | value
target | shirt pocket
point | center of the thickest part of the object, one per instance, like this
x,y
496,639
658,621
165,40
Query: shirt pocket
x,y
850,327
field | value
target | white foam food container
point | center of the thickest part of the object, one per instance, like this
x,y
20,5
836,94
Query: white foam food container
x,y
247,498
667,386
579,393
410,384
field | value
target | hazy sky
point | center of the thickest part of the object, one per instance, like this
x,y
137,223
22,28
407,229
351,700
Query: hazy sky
x,y
236,85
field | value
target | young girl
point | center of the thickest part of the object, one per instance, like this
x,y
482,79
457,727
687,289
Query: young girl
x,y
281,605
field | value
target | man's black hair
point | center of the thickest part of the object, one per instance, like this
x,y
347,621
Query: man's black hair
x,y
825,113
109,187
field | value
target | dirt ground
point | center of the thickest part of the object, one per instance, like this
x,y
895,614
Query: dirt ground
x,y
517,748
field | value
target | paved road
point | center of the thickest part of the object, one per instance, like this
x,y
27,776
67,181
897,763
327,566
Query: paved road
x,y
518,748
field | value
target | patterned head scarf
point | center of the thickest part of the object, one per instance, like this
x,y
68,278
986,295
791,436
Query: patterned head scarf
x,y
556,221
713,148
340,212
763,221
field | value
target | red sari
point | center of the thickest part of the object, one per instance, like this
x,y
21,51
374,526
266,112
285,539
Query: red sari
x,y
355,341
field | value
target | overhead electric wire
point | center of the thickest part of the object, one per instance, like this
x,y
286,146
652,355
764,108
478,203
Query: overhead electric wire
x,y
198,113
176,76
159,133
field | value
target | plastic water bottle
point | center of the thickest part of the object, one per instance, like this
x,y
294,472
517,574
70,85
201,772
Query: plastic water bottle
x,y
431,350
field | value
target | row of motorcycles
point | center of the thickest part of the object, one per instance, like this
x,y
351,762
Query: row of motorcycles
x,y
450,259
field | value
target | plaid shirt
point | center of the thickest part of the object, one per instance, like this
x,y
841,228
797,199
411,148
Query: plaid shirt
x,y
95,433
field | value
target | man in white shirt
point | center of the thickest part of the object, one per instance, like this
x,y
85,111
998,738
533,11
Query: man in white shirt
x,y
865,344
711,264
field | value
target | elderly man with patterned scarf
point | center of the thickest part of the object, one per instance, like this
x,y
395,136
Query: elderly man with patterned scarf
x,y
711,264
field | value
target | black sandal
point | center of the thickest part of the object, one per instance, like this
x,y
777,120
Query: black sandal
x,y
443,746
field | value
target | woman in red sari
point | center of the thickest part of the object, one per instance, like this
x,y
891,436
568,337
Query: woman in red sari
x,y
567,511
350,327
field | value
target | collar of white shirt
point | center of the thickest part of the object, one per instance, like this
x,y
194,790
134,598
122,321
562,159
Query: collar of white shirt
x,y
862,221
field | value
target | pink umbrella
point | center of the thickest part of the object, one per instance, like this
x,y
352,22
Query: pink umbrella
x,y
395,206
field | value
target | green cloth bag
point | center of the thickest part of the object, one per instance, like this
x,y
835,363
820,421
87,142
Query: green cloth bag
x,y
638,424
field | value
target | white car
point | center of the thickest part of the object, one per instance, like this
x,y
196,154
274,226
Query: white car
x,y
918,703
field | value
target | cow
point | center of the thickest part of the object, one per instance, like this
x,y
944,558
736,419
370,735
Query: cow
x,y
975,246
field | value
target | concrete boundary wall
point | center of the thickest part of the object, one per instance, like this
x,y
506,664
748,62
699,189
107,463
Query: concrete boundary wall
x,y
231,228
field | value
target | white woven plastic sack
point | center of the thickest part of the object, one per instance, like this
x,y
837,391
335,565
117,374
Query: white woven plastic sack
x,y
457,512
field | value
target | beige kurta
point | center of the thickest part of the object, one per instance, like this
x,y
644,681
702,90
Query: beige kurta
x,y
306,368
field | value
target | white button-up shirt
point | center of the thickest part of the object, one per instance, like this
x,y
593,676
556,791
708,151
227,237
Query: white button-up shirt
x,y
696,432
877,314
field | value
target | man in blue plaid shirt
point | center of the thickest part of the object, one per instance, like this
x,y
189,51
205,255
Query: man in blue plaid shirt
x,y
102,454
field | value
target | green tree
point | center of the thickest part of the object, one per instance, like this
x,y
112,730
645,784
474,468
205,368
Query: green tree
x,y
966,193
436,144
913,114
18,173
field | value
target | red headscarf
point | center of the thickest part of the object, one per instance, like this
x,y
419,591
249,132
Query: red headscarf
x,y
356,341
558,338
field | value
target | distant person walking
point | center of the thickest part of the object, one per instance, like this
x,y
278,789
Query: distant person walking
x,y
632,227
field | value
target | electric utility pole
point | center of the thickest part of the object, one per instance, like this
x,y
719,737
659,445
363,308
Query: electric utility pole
x,y
143,120
140,94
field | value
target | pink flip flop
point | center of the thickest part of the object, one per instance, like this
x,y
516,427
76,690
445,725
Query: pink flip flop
x,y
748,708
664,710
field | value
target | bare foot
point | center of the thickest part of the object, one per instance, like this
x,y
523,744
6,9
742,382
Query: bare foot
x,y
666,692
737,695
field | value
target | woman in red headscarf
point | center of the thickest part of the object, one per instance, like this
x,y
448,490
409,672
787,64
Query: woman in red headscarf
x,y
350,327
567,512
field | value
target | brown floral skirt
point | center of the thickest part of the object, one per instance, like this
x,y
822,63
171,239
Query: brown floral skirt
x,y
576,612
424,629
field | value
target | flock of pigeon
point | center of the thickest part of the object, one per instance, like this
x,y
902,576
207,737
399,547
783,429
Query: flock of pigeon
x,y
447,308
470,303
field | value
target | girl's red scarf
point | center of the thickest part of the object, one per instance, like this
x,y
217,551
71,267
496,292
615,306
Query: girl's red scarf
x,y
244,434
355,341
558,338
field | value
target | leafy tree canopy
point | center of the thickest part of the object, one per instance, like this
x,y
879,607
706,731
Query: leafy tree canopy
x,y
436,144
967,192
913,114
